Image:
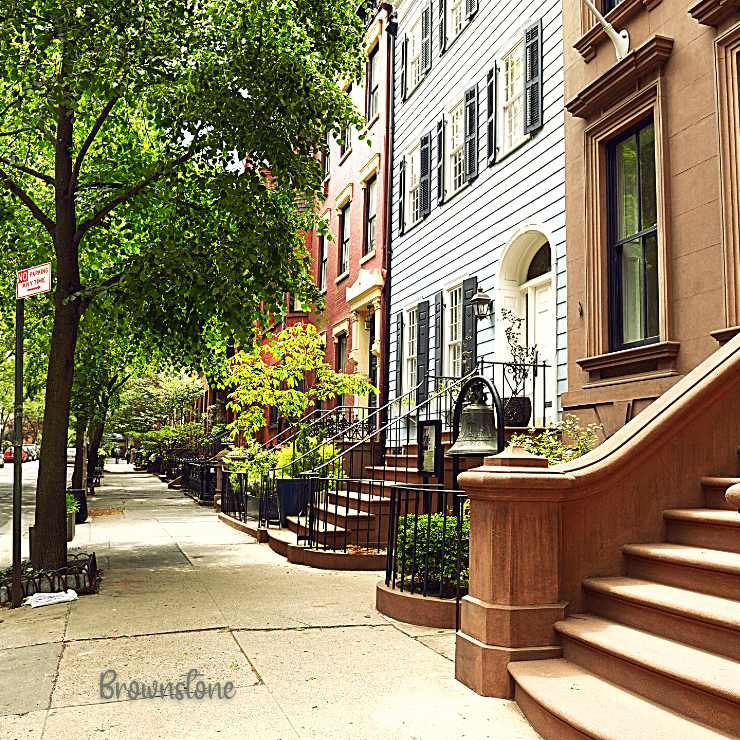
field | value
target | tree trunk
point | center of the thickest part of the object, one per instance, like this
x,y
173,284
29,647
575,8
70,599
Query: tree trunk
x,y
96,437
50,533
77,481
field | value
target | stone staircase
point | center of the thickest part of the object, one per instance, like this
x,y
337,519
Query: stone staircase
x,y
657,655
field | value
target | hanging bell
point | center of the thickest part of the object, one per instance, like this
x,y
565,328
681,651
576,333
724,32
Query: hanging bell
x,y
477,431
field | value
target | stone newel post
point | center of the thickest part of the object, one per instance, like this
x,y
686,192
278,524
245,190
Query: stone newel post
x,y
512,603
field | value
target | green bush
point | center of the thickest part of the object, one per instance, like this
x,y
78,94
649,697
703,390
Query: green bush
x,y
73,506
309,454
412,555
550,444
257,462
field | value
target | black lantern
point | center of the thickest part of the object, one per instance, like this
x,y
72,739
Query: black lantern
x,y
482,304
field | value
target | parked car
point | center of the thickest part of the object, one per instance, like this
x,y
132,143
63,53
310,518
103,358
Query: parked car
x,y
71,455
8,456
31,452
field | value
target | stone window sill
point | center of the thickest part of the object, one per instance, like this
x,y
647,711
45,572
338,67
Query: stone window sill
x,y
639,363
345,156
367,257
370,124
724,335
343,276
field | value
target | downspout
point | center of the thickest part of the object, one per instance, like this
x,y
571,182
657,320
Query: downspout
x,y
388,252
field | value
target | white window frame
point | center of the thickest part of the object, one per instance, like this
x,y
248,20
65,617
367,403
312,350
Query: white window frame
x,y
455,12
510,143
414,73
453,331
455,147
411,197
411,348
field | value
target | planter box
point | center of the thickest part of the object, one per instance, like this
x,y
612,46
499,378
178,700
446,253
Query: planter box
x,y
252,508
70,526
81,499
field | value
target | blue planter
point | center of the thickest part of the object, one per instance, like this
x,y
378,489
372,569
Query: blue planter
x,y
289,498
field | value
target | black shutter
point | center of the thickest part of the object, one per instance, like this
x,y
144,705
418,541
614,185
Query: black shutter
x,y
426,38
401,194
404,52
399,354
440,160
439,335
471,133
471,7
422,351
492,100
533,78
425,161
469,326
442,26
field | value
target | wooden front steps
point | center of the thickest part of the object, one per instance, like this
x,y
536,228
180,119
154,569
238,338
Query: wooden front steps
x,y
657,655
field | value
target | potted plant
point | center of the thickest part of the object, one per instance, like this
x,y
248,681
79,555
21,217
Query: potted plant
x,y
72,508
518,407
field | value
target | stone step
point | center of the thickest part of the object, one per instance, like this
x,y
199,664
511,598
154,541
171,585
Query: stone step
x,y
696,683
702,621
328,535
714,491
713,572
711,528
373,502
564,701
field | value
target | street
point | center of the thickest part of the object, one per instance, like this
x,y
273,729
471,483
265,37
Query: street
x,y
304,652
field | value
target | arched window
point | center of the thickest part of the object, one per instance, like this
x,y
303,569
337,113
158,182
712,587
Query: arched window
x,y
541,262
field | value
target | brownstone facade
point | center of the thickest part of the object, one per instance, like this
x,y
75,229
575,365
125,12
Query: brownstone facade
x,y
652,204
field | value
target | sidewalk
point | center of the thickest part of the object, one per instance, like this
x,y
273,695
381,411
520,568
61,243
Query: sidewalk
x,y
305,650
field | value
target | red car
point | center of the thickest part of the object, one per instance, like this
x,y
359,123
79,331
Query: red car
x,y
8,456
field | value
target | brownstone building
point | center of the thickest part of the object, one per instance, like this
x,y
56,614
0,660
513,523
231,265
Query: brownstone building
x,y
652,205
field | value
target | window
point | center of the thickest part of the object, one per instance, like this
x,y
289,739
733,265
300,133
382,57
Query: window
x,y
370,200
343,262
454,332
607,5
295,304
411,349
457,148
346,130
340,363
412,178
326,158
457,8
415,71
372,84
323,259
512,66
633,239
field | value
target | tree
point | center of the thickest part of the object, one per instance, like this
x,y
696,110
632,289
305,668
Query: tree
x,y
135,142
288,372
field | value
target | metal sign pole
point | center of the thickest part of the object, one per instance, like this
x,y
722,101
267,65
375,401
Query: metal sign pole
x,y
18,453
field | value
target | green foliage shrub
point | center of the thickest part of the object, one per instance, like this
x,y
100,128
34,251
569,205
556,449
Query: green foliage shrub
x,y
550,443
73,506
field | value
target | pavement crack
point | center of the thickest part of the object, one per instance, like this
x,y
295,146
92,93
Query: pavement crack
x,y
56,676
246,657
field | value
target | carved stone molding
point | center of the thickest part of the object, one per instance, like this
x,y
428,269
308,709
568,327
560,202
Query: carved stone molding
x,y
650,361
714,12
728,108
621,78
587,45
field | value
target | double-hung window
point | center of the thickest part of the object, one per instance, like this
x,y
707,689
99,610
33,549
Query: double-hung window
x,y
323,260
370,213
457,17
454,332
512,68
343,262
340,363
632,219
412,178
457,148
415,68
372,84
346,131
411,348
326,157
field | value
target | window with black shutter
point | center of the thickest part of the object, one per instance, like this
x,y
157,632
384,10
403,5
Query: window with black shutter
x,y
469,326
471,8
401,194
471,133
442,26
439,334
491,101
399,354
426,38
425,152
422,350
533,78
440,160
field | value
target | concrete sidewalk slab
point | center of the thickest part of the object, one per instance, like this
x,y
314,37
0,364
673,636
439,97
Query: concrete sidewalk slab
x,y
37,665
23,727
27,626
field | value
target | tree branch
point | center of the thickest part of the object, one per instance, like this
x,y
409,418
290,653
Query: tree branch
x,y
103,212
14,188
17,131
99,121
46,178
